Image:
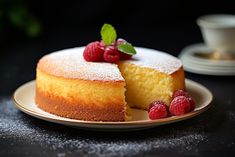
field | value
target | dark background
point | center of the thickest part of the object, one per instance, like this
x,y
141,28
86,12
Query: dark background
x,y
144,23
165,25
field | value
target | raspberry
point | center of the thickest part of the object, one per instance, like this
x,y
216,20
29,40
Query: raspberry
x,y
180,93
158,110
184,93
93,52
124,56
180,105
111,54
192,103
155,103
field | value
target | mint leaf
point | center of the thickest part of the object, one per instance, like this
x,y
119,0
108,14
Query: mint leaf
x,y
108,34
127,48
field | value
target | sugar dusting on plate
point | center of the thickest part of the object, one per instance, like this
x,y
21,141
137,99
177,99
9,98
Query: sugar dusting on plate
x,y
67,141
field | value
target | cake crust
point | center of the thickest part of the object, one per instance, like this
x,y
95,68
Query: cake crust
x,y
80,99
59,106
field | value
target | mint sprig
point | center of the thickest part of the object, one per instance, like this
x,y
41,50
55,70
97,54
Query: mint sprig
x,y
108,34
127,48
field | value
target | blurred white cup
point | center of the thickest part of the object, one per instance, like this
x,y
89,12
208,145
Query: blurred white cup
x,y
218,31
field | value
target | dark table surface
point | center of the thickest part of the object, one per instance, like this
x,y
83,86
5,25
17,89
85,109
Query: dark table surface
x,y
209,134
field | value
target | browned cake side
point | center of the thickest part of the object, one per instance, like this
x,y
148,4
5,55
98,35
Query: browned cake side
x,y
74,110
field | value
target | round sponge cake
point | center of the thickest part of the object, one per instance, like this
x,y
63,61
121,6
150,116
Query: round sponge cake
x,y
68,86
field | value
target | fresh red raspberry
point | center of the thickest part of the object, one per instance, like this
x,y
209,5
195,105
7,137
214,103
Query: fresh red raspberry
x,y
180,105
180,93
192,104
158,110
156,102
93,52
184,93
111,54
122,55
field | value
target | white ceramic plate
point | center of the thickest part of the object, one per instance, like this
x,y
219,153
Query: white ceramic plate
x,y
205,66
189,51
208,70
24,101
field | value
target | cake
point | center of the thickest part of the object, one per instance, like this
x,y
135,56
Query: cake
x,y
69,86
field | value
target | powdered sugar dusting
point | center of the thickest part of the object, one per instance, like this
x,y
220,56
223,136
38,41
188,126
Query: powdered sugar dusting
x,y
154,59
67,141
70,63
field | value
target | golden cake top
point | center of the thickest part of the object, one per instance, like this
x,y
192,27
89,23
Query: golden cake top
x,y
69,63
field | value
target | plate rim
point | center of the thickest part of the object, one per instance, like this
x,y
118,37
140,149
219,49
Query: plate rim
x,y
129,123
207,72
187,50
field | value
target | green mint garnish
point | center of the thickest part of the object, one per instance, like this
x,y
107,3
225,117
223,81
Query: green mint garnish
x,y
127,48
108,34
